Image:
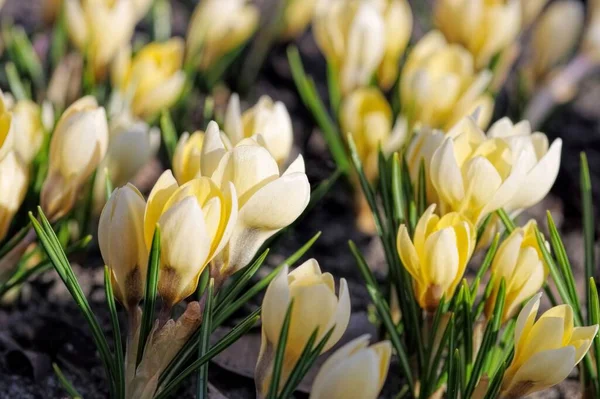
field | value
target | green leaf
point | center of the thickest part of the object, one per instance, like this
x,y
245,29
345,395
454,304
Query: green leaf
x,y
114,319
594,318
488,342
333,84
66,384
508,223
172,381
280,353
169,134
397,192
485,265
150,295
421,189
385,191
10,244
483,227
454,378
14,82
108,184
383,310
226,312
27,57
205,330
239,282
51,245
563,262
161,20
216,72
310,98
587,219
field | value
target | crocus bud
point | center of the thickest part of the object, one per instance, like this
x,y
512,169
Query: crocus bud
x,y
196,222
269,119
546,350
367,116
78,145
356,370
398,22
13,186
218,27
88,23
131,146
484,27
316,306
186,159
28,129
296,17
519,262
267,200
6,142
437,256
439,85
351,35
152,80
122,245
553,40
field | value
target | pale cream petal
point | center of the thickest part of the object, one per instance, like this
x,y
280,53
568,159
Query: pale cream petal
x,y
213,150
165,186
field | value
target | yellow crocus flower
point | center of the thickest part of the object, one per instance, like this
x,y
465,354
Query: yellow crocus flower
x,y
152,80
196,222
439,85
484,27
315,306
546,350
218,27
186,159
356,370
519,262
437,256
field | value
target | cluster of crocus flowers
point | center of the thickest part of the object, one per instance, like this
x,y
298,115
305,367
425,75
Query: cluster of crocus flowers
x,y
440,84
77,147
267,118
218,27
475,174
355,370
546,350
437,255
363,39
88,22
519,262
484,27
316,307
150,81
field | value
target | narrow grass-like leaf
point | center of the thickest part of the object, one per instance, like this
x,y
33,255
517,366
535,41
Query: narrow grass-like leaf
x,y
14,82
239,282
454,375
587,220
10,244
385,191
488,342
225,312
561,286
151,292
173,381
51,245
310,98
483,227
485,265
169,134
108,184
506,220
563,262
280,353
432,366
205,330
397,193
383,311
421,189
114,319
594,318
333,85
27,57
468,322
66,384
216,72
